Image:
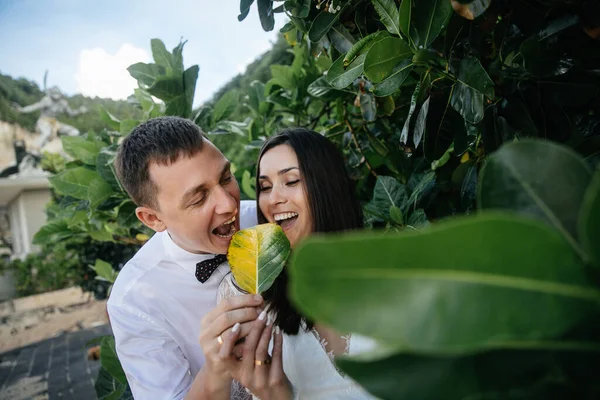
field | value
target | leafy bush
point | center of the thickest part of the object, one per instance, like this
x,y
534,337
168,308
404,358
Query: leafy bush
x,y
43,272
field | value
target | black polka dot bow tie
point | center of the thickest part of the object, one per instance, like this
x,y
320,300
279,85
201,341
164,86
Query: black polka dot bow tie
x,y
204,269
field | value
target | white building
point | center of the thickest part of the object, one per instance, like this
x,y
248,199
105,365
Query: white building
x,y
24,200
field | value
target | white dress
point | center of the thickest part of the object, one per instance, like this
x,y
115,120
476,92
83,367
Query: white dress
x,y
307,364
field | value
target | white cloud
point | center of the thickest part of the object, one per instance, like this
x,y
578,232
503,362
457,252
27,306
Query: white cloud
x,y
105,75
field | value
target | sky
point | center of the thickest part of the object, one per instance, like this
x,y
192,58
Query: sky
x,y
86,45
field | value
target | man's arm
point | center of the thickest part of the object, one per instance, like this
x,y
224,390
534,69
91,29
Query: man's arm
x,y
153,362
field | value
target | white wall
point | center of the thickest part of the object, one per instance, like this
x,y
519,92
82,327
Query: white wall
x,y
27,215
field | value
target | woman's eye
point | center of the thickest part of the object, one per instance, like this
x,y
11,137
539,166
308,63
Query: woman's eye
x,y
265,188
293,183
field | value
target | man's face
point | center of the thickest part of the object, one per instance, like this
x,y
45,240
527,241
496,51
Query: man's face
x,y
199,200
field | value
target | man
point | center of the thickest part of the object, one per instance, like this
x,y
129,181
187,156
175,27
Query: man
x,y
165,296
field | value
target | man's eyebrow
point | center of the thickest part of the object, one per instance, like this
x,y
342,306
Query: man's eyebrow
x,y
226,168
280,172
190,193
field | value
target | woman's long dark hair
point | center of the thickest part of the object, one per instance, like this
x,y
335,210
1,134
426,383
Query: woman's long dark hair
x,y
331,200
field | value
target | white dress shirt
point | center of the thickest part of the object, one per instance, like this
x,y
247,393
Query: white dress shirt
x,y
155,308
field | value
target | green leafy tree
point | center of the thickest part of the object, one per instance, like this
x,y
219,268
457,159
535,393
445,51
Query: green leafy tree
x,y
427,100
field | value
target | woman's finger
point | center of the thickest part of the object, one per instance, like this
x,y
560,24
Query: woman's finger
x,y
249,352
277,374
229,339
262,349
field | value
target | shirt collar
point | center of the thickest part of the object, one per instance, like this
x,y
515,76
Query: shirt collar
x,y
183,258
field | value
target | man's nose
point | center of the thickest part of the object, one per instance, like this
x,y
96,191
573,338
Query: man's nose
x,y
225,202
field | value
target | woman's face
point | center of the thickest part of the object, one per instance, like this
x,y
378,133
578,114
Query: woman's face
x,y
282,197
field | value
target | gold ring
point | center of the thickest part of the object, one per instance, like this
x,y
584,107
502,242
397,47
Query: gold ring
x,y
263,362
220,339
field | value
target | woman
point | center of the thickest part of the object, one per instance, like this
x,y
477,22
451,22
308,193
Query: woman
x,y
301,185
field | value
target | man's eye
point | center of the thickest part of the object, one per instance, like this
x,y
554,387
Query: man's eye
x,y
226,180
197,203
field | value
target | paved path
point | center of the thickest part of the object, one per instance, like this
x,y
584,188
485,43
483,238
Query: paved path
x,y
56,368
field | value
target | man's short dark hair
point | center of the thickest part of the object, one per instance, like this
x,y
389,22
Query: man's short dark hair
x,y
161,140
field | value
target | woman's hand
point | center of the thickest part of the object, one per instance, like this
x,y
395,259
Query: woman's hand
x,y
257,371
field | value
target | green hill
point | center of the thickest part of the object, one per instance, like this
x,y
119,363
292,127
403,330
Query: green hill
x,y
24,92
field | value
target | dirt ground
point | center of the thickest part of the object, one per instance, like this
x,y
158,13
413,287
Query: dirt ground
x,y
30,319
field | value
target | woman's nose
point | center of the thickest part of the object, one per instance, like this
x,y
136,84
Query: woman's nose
x,y
277,196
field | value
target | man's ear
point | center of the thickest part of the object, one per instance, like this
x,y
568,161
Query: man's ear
x,y
150,218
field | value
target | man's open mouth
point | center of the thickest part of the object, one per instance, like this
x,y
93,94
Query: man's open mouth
x,y
226,229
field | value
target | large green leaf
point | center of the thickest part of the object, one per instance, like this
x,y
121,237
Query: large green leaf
x,y
393,82
81,149
105,271
468,102
109,359
98,191
145,74
126,217
265,13
256,95
127,125
518,281
472,74
589,221
420,123
284,76
107,387
74,182
190,76
244,9
405,17
167,88
257,256
110,120
472,84
225,106
340,77
383,56
472,376
430,18
105,166
319,87
340,38
53,232
321,25
368,106
539,179
388,192
413,105
388,12
162,57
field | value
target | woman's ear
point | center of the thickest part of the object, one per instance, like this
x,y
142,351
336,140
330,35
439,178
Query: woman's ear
x,y
150,218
